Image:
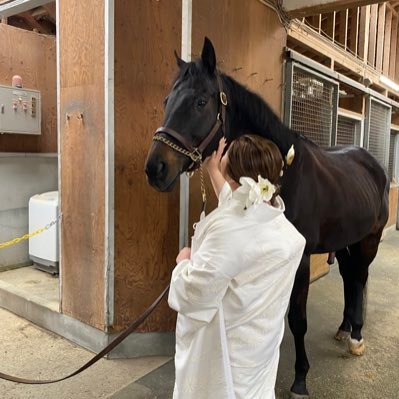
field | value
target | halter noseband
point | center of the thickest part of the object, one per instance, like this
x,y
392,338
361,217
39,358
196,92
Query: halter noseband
x,y
185,147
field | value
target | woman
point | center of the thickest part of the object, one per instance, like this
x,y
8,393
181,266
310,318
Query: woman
x,y
232,289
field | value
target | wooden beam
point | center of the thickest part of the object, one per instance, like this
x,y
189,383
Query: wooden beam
x,y
392,56
387,42
13,7
305,8
354,29
364,28
380,36
373,34
27,16
397,60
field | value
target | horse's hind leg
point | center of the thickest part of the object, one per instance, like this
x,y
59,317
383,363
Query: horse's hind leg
x,y
298,325
362,254
346,271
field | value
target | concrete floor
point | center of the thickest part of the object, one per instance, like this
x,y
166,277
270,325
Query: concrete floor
x,y
32,352
34,284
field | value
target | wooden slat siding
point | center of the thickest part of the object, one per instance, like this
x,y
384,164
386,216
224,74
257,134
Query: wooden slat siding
x,y
32,56
146,222
373,34
393,205
364,32
82,161
354,29
380,36
387,42
394,41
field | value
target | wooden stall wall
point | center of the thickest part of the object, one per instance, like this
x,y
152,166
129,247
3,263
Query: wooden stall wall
x,y
82,159
249,42
393,205
146,222
32,56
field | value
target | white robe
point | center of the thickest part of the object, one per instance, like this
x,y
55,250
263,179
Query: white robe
x,y
231,298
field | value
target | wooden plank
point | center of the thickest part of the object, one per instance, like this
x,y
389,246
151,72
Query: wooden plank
x,y
354,29
343,27
364,32
373,34
397,59
33,57
82,162
380,36
393,205
387,42
146,222
318,266
394,38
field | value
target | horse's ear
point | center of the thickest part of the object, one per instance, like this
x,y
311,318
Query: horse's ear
x,y
179,61
208,56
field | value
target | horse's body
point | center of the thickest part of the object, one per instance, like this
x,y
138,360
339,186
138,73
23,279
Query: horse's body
x,y
337,198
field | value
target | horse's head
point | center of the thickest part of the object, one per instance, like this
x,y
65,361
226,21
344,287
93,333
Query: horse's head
x,y
191,122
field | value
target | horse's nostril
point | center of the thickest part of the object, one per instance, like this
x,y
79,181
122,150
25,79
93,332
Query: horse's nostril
x,y
156,170
161,167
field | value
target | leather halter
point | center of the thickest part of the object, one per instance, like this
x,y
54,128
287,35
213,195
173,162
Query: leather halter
x,y
195,153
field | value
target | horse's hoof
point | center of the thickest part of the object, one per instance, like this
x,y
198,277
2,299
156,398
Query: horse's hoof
x,y
342,335
356,347
294,395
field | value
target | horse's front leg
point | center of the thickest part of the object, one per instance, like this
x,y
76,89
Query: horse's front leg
x,y
298,325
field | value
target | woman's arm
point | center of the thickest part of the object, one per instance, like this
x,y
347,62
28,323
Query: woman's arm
x,y
212,165
198,285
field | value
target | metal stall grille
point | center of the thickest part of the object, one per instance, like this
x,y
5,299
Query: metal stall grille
x,y
311,104
348,131
378,129
393,156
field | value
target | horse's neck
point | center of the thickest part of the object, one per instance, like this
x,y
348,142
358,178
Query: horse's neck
x,y
249,113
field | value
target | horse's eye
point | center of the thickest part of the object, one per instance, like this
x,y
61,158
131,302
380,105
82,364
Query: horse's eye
x,y
201,103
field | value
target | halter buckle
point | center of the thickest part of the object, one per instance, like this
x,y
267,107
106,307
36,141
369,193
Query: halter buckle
x,y
196,155
223,98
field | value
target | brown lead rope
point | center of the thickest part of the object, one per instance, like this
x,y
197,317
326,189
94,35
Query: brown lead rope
x,y
96,358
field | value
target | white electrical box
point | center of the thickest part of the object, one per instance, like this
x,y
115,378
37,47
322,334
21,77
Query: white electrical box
x,y
20,110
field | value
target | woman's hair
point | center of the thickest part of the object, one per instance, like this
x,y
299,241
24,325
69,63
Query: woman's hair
x,y
251,156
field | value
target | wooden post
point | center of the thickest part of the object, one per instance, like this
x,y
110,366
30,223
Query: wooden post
x,y
373,34
380,36
364,32
392,57
82,184
343,27
354,29
387,42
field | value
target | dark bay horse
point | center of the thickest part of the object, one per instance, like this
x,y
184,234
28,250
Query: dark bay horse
x,y
336,197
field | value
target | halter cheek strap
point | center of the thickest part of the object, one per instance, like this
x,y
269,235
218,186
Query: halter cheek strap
x,y
184,146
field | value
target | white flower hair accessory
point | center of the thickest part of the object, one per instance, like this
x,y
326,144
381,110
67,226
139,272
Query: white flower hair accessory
x,y
290,155
256,192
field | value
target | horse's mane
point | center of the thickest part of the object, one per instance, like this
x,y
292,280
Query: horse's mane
x,y
260,116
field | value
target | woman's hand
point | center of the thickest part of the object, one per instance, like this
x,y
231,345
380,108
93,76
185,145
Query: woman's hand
x,y
213,162
185,253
